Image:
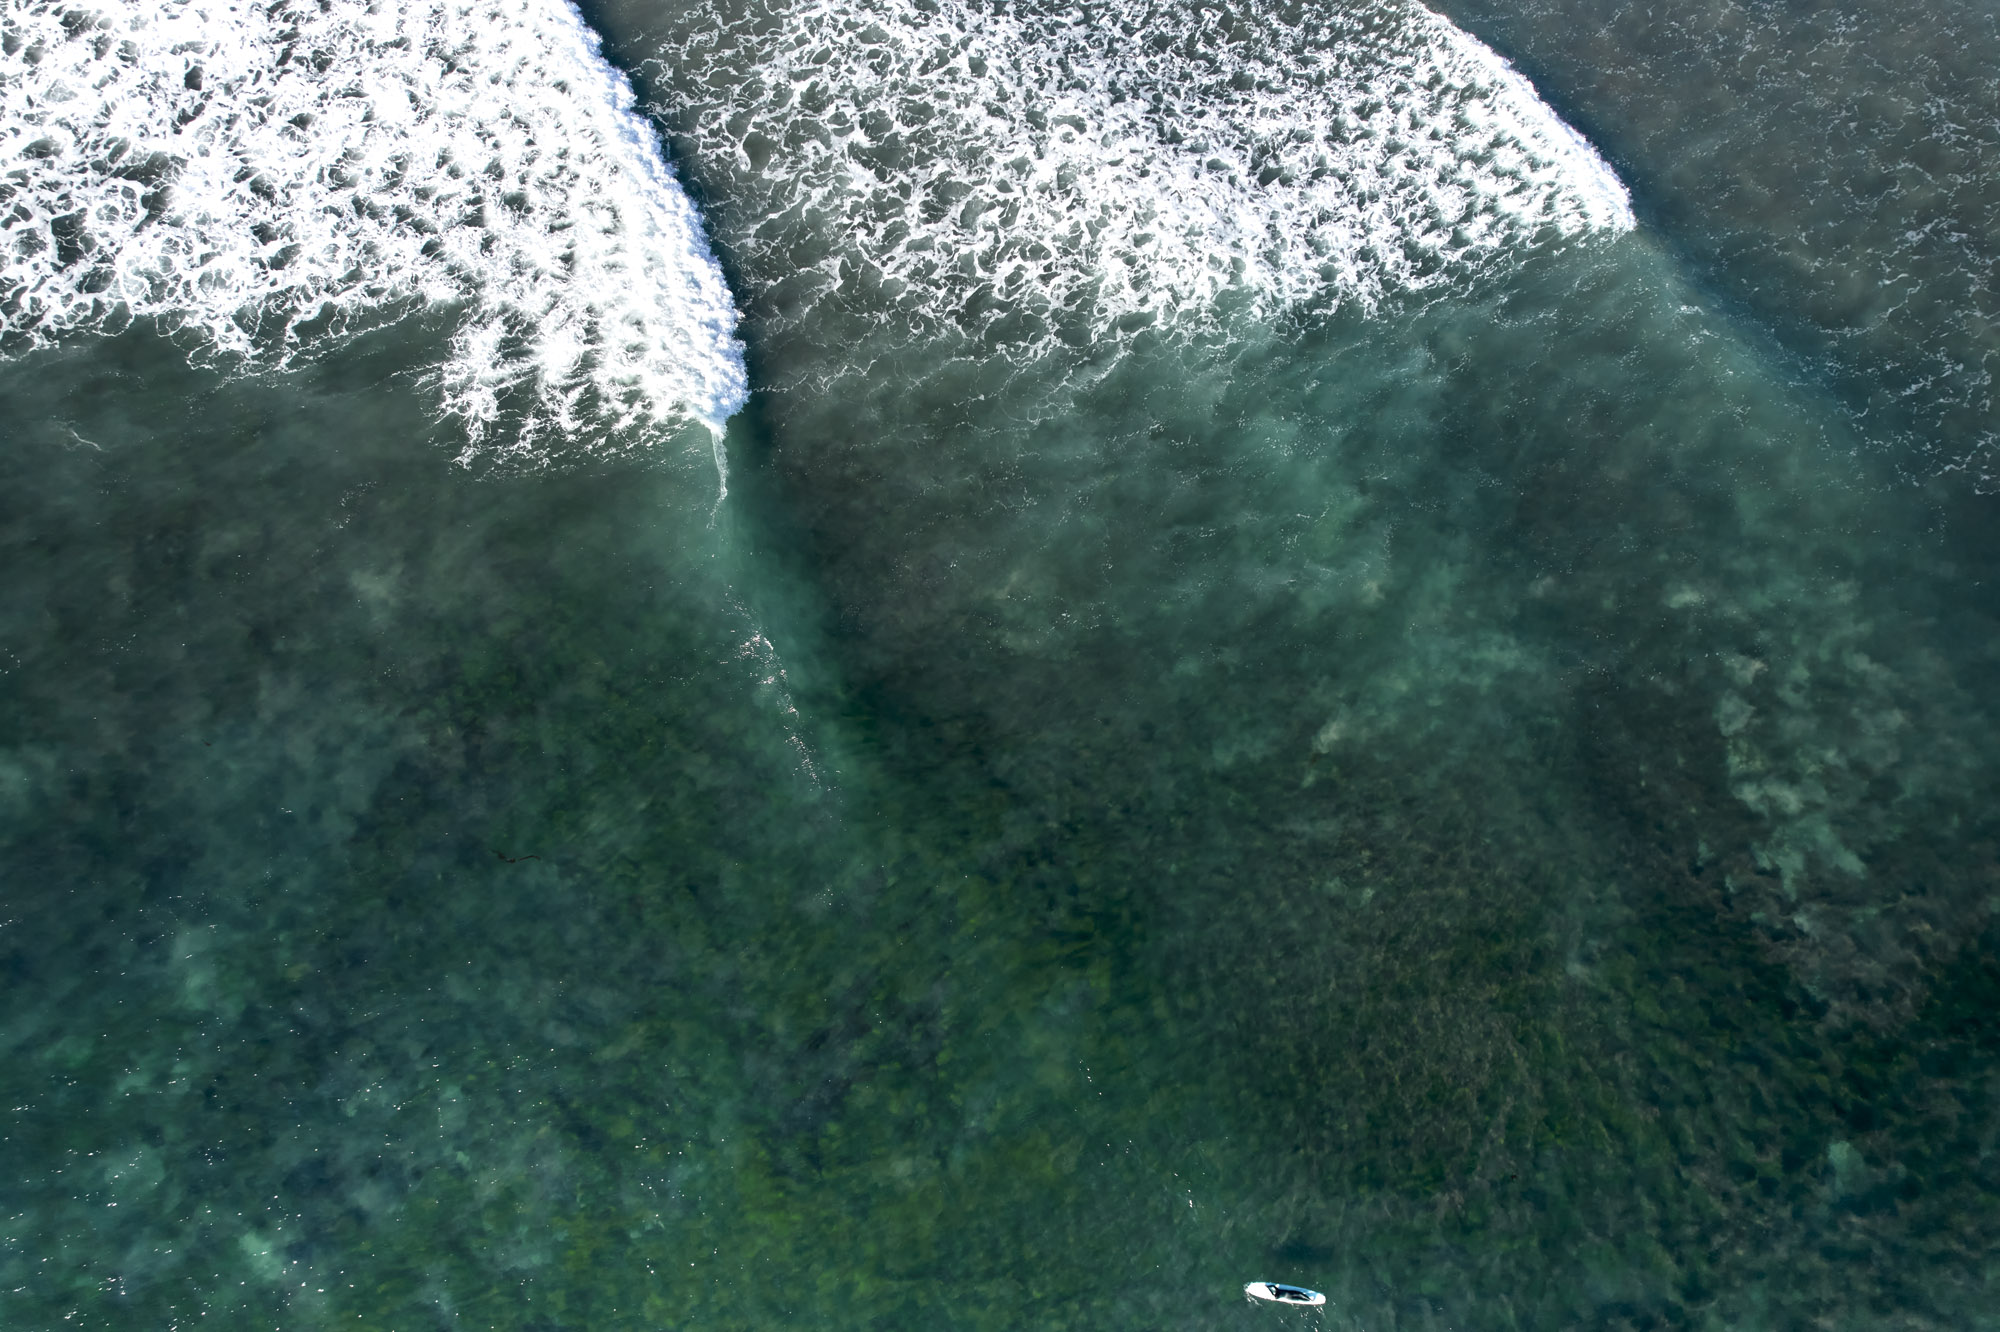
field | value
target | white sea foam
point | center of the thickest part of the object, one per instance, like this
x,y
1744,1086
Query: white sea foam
x,y
267,176
1117,162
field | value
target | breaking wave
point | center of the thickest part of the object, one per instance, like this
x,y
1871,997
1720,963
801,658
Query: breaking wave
x,y
1102,166
270,177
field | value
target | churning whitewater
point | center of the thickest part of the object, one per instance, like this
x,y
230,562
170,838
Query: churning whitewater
x,y
265,178
1001,168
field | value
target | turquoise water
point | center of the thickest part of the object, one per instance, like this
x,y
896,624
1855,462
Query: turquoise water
x,y
1461,783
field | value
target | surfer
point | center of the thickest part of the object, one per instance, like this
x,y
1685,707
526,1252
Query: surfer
x,y
1279,1293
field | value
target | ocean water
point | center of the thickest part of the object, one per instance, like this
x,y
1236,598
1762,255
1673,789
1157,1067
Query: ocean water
x,y
868,663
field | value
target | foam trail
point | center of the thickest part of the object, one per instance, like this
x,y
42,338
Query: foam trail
x,y
268,178
1117,163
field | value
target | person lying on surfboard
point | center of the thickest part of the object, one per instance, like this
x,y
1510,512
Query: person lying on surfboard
x,y
1282,1294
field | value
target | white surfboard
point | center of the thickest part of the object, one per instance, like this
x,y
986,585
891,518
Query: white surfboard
x,y
1278,1293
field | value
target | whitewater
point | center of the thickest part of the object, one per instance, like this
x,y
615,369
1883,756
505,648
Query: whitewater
x,y
1079,173
265,181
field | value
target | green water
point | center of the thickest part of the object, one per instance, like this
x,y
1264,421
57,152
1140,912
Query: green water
x,y
1480,807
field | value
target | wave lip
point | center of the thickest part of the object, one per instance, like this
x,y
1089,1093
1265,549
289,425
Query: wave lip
x,y
268,178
